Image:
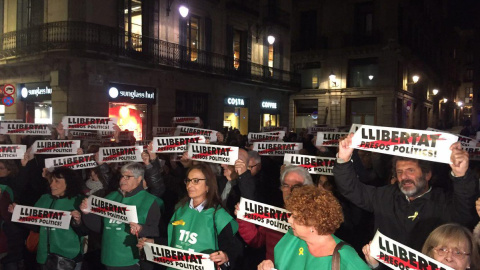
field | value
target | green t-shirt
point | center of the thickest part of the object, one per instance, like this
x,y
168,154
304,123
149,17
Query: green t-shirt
x,y
292,252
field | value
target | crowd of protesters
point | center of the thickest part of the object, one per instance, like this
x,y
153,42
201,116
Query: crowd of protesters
x,y
191,205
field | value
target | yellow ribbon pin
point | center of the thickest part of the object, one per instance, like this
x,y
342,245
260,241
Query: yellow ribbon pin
x,y
178,222
300,251
414,216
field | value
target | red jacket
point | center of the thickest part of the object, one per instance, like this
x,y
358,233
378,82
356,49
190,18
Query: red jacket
x,y
258,236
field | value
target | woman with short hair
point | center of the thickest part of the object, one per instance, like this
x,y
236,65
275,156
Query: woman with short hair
x,y
310,243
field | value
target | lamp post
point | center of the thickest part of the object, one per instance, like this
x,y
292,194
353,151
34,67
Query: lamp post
x,y
182,9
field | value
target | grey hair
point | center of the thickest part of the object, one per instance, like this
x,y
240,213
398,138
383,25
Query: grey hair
x,y
136,168
255,156
307,178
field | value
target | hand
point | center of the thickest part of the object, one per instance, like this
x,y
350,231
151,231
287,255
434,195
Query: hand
x,y
26,157
46,174
266,265
186,162
145,158
60,131
240,166
84,206
370,260
116,133
477,205
237,207
97,159
219,257
135,228
142,241
152,154
344,147
77,217
11,207
459,159
80,151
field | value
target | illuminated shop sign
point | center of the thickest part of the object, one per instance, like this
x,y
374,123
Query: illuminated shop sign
x,y
235,101
132,94
36,91
269,105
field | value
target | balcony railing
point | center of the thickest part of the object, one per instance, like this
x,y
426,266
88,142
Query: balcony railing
x,y
98,39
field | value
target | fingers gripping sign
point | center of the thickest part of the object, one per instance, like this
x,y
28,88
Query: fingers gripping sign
x,y
459,160
345,149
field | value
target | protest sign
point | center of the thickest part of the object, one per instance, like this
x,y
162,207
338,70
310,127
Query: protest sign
x,y
111,209
12,151
354,128
329,138
11,121
143,143
186,120
213,153
265,215
25,129
49,147
76,162
412,143
473,152
89,122
315,130
41,216
163,131
82,135
464,140
313,164
276,149
121,154
125,135
191,131
399,257
177,144
177,258
274,136
271,129
105,134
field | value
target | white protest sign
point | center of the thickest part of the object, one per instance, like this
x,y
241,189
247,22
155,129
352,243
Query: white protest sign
x,y
163,131
213,153
473,152
76,162
68,147
186,120
270,129
125,135
89,122
111,209
265,215
178,258
399,257
276,149
315,130
274,136
313,164
412,143
465,141
12,151
11,121
41,216
121,154
191,131
143,143
82,135
25,129
105,134
329,138
354,128
177,144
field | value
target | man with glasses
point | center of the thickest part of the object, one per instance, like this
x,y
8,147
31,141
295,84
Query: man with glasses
x,y
119,239
410,209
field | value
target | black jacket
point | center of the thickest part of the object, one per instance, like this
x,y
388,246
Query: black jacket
x,y
395,214
154,178
244,186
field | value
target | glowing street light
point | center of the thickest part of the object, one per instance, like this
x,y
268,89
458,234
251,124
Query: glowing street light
x,y
183,11
435,92
415,78
271,39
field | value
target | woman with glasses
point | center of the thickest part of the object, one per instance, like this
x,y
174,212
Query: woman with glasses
x,y
454,246
201,224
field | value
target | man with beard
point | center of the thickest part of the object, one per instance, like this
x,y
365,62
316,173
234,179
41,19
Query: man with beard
x,y
410,209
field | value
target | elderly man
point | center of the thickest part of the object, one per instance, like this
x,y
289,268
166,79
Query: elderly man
x,y
119,251
409,210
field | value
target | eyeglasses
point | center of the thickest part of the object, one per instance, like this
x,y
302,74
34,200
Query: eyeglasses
x,y
193,181
455,252
251,167
127,176
286,187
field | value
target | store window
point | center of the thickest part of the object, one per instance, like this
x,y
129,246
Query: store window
x,y
133,24
37,98
362,72
235,114
270,116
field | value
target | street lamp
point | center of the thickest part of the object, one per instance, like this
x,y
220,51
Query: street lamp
x,y
445,100
460,104
370,77
182,9
415,78
271,39
435,92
